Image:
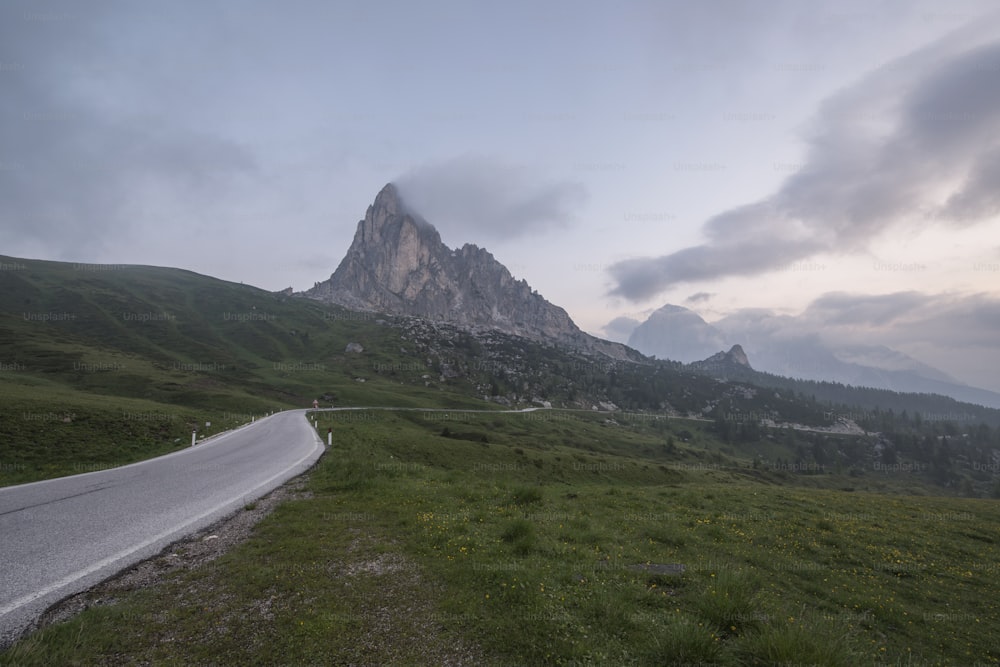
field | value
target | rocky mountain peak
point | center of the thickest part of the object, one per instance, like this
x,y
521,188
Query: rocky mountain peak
x,y
397,264
387,203
731,364
388,221
738,356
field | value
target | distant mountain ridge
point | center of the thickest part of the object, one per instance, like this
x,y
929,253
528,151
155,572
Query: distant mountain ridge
x,y
397,264
676,333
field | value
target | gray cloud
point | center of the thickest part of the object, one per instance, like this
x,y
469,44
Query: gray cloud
x,y
980,196
699,297
620,328
74,176
869,311
469,198
881,153
948,321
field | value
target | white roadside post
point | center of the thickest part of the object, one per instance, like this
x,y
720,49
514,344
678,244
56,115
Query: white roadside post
x,y
194,438
329,437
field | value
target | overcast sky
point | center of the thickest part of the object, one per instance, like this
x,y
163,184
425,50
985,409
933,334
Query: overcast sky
x,y
838,160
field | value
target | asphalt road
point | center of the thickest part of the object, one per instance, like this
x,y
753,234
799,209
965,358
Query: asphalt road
x,y
61,536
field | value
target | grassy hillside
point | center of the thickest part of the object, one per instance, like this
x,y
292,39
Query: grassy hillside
x,y
103,365
115,363
564,539
177,337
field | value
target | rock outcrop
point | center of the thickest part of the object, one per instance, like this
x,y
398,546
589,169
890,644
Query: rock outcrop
x,y
726,365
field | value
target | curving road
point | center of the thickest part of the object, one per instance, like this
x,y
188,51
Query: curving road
x,y
61,536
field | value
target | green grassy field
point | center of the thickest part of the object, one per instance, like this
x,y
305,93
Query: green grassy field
x,y
556,538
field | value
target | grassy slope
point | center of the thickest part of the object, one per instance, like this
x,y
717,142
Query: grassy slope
x,y
418,540
174,336
130,360
88,354
192,349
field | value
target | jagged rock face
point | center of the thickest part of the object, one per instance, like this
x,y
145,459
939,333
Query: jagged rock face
x,y
397,264
725,364
737,356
